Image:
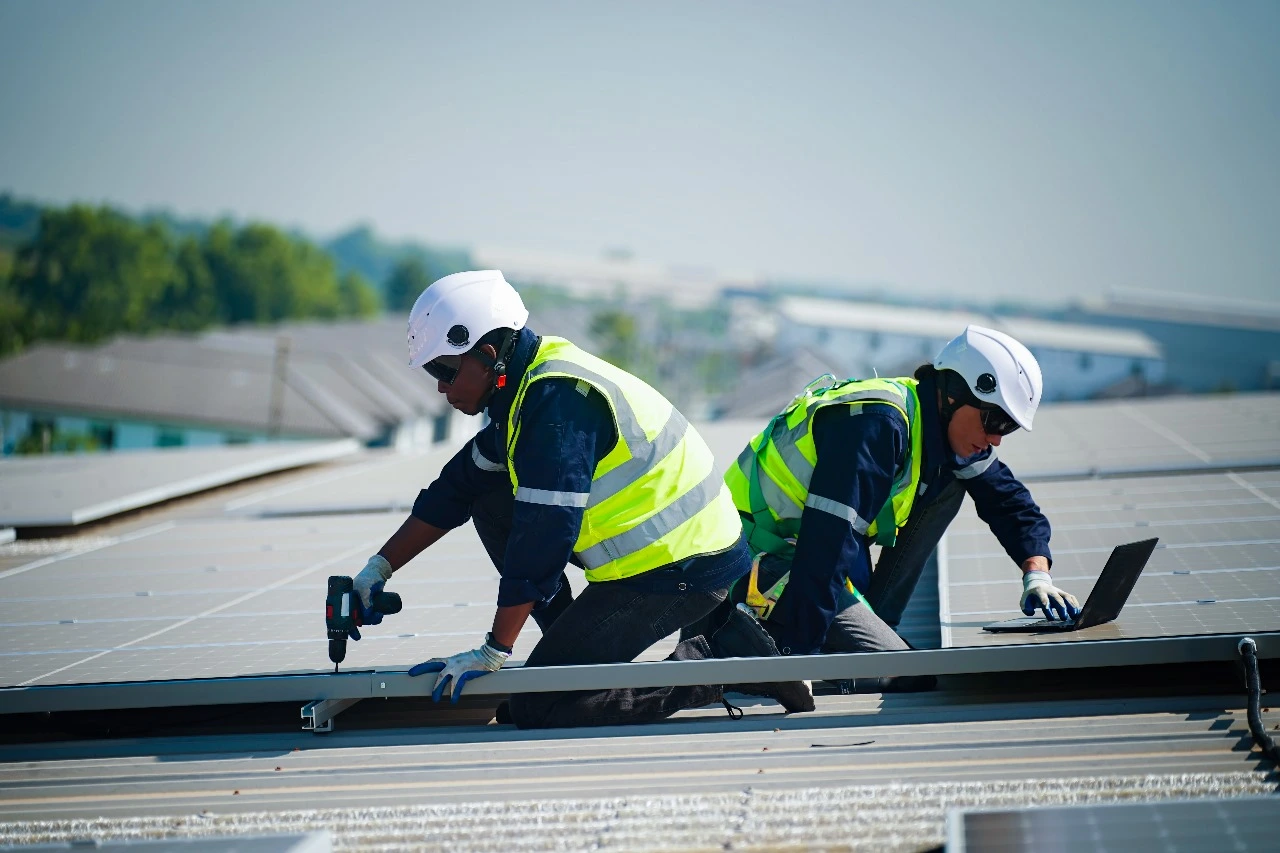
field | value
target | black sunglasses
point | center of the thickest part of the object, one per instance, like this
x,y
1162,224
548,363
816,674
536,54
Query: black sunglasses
x,y
995,421
445,368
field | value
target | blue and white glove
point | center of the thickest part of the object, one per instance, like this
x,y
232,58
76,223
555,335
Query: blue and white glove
x,y
369,583
461,668
1038,591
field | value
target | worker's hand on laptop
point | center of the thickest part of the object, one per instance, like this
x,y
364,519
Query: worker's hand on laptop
x,y
375,573
1038,591
461,668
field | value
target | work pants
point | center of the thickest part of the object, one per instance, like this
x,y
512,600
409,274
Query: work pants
x,y
855,627
606,623
898,570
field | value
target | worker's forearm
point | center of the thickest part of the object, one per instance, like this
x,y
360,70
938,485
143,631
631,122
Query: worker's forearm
x,y
413,537
508,621
1035,564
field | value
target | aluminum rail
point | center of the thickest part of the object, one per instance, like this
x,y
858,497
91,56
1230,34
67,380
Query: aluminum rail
x,y
368,684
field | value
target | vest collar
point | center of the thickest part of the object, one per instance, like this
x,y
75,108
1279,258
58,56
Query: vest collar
x,y
525,349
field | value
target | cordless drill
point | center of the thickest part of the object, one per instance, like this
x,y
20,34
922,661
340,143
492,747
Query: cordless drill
x,y
343,611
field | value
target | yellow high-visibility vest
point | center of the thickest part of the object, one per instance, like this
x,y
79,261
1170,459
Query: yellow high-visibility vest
x,y
770,481
655,498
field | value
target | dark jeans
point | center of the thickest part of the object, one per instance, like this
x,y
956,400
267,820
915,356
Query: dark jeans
x,y
606,623
899,568
855,628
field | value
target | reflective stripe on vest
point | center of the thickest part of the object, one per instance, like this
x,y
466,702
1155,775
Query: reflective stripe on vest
x,y
482,462
770,482
656,497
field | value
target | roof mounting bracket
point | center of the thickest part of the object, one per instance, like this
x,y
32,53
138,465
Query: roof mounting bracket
x,y
318,716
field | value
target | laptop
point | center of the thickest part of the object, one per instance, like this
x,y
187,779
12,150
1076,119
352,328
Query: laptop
x,y
1105,599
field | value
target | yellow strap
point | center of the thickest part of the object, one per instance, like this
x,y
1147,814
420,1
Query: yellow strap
x,y
762,603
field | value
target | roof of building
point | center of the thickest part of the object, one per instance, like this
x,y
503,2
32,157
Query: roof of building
x,y
933,324
1189,309
1077,337
768,386
877,317
332,380
215,600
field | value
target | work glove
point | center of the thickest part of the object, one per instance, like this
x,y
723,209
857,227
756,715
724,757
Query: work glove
x,y
461,668
1038,591
362,615
369,583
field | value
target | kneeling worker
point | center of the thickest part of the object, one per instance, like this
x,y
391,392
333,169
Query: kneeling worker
x,y
580,463
887,461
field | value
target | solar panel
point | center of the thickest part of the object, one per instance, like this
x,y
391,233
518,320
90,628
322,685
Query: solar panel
x,y
377,481
232,598
44,491
1216,570
1185,826
1131,436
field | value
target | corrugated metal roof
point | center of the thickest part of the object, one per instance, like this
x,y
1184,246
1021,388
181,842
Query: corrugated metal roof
x,y
881,771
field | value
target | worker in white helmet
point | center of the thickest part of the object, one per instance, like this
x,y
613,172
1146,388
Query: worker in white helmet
x,y
581,463
886,461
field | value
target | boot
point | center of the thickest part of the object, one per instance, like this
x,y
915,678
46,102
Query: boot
x,y
742,636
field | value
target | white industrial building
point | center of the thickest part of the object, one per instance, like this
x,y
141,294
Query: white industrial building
x,y
868,338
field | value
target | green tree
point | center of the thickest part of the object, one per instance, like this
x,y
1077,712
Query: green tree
x,y
406,283
13,330
189,301
261,275
91,273
359,299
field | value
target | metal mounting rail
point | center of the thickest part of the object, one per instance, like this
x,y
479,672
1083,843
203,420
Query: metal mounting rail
x,y
318,716
366,684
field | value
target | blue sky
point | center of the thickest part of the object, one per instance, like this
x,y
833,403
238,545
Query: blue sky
x,y
1042,151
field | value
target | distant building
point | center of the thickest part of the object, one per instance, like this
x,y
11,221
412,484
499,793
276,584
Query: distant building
x,y
1210,343
303,380
868,339
1081,362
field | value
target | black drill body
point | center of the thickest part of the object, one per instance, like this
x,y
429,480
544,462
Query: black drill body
x,y
341,614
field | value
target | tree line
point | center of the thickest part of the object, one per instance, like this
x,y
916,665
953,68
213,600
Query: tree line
x,y
85,274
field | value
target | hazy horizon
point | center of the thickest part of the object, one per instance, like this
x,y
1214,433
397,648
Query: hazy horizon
x,y
984,151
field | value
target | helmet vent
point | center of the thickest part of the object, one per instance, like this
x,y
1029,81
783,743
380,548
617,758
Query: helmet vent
x,y
459,336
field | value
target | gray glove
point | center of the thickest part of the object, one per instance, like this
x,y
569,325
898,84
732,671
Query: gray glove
x,y
1038,591
376,571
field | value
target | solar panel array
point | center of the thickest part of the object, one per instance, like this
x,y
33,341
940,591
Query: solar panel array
x,y
232,598
1137,436
1179,826
238,590
378,481
67,490
1216,569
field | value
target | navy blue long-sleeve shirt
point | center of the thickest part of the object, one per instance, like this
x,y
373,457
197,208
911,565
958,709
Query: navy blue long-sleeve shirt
x,y
566,428
857,457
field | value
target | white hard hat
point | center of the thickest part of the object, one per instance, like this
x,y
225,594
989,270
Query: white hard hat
x,y
997,369
458,310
